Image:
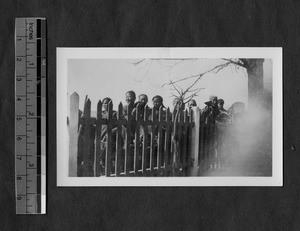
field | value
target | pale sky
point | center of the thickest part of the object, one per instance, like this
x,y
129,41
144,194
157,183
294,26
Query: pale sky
x,y
100,78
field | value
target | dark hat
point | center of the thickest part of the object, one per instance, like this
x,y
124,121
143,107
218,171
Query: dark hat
x,y
208,103
131,93
212,97
158,97
221,101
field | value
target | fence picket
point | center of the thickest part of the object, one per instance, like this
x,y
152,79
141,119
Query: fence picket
x,y
145,153
137,140
179,141
152,141
195,142
160,140
86,138
118,160
128,140
185,142
73,131
167,146
108,159
98,152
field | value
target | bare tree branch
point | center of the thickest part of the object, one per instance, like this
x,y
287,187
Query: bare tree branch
x,y
218,67
189,98
185,95
238,62
138,62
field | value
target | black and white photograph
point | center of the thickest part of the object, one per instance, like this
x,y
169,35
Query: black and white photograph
x,y
169,117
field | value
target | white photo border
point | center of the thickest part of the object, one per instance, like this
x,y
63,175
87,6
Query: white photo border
x,y
63,54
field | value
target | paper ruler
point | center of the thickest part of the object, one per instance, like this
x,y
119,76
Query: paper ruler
x,y
30,115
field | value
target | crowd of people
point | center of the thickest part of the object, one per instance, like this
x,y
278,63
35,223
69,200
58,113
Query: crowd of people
x,y
214,109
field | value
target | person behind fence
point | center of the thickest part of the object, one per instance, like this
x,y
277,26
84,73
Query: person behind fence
x,y
210,112
223,116
142,108
221,103
157,104
192,103
178,133
106,104
142,105
130,98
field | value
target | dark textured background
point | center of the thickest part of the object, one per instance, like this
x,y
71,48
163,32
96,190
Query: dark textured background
x,y
157,23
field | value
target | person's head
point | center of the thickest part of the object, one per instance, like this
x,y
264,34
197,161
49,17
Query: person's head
x,y
130,97
106,101
220,103
192,103
157,101
178,104
143,99
214,100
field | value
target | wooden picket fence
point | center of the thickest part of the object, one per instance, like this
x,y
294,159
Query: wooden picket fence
x,y
180,145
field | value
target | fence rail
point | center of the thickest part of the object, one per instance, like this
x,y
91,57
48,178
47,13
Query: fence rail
x,y
140,142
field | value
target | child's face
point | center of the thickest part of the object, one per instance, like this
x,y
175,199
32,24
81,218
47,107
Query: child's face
x,y
220,105
214,101
192,103
105,104
156,102
143,100
129,98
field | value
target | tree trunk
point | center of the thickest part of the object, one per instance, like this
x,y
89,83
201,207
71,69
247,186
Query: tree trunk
x,y
255,82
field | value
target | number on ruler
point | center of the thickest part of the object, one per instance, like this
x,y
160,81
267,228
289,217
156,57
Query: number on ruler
x,y
19,198
19,178
19,59
19,118
19,79
19,99
19,157
31,113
